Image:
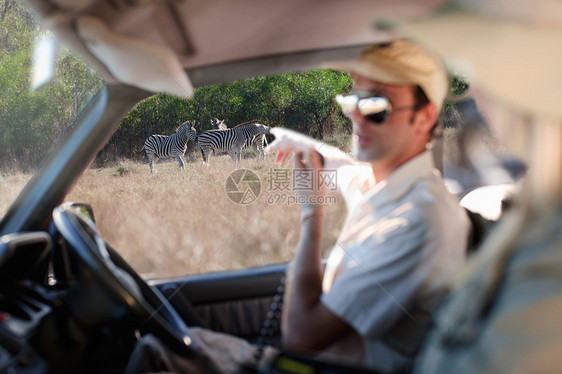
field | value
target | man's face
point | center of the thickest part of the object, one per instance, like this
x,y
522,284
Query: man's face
x,y
393,140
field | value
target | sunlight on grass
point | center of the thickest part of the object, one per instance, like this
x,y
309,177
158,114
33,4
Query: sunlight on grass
x,y
10,186
176,223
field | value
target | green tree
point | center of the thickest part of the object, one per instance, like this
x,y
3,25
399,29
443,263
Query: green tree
x,y
31,122
302,101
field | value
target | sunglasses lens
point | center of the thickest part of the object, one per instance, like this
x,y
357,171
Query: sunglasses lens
x,y
375,109
378,118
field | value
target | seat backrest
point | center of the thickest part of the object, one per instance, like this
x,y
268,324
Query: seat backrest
x,y
479,229
484,207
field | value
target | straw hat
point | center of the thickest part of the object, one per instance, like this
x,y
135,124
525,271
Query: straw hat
x,y
400,62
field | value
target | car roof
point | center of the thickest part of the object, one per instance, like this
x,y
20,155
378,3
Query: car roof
x,y
216,41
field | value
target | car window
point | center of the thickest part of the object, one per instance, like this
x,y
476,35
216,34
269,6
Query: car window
x,y
218,215
206,217
215,216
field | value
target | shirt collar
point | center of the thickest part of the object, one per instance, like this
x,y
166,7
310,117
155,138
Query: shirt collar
x,y
401,180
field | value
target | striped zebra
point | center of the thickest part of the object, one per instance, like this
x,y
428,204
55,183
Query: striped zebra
x,y
217,124
230,140
175,145
257,141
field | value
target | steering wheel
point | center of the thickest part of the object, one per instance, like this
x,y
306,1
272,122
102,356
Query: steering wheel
x,y
107,288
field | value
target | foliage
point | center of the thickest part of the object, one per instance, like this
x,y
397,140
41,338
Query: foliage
x,y
302,101
459,86
341,140
31,122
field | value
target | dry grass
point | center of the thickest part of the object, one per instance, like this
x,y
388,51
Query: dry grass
x,y
10,186
177,223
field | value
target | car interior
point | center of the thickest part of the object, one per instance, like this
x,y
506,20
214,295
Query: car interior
x,y
68,301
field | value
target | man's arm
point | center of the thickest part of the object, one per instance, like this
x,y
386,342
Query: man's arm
x,y
307,324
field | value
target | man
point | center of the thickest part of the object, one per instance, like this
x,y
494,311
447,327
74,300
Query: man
x,y
403,240
405,236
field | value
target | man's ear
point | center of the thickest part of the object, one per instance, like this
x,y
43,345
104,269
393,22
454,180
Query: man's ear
x,y
426,117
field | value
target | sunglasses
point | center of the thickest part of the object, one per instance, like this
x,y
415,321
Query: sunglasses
x,y
376,109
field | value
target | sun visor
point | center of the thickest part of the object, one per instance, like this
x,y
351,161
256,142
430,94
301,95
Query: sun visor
x,y
134,62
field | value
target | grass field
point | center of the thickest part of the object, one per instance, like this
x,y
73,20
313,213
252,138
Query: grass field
x,y
176,223
10,186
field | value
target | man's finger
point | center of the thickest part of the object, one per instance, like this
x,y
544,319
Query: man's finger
x,y
282,158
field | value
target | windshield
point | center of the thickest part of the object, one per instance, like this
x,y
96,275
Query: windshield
x,y
215,215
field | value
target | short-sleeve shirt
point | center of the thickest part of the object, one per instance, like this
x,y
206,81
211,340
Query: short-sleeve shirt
x,y
403,241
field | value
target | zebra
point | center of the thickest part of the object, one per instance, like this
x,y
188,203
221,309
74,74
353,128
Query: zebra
x,y
217,124
229,140
257,141
175,145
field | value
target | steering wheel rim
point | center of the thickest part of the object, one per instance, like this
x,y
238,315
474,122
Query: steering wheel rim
x,y
102,267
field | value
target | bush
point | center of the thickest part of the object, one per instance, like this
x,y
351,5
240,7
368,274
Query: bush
x,y
300,101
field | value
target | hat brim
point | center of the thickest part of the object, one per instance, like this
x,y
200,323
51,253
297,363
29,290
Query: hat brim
x,y
518,63
369,70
